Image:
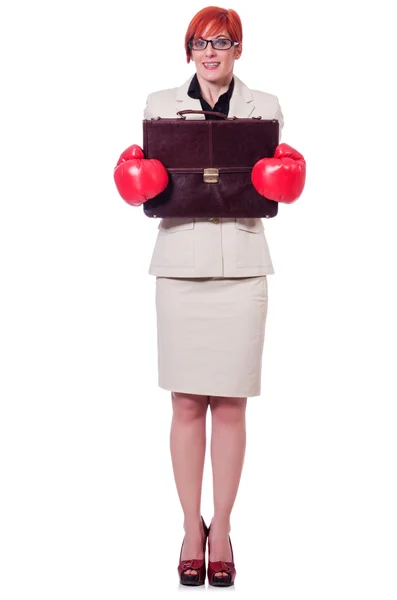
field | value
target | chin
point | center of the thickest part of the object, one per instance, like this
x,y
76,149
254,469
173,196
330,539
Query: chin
x,y
212,75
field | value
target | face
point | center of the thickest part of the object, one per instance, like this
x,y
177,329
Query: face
x,y
223,60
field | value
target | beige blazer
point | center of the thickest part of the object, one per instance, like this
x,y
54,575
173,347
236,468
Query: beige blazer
x,y
224,247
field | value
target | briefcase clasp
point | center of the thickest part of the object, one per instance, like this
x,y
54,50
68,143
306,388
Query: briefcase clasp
x,y
211,175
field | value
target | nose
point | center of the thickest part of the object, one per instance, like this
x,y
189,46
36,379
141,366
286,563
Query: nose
x,y
209,51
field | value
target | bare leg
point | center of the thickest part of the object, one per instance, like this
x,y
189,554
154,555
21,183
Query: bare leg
x,y
187,444
228,442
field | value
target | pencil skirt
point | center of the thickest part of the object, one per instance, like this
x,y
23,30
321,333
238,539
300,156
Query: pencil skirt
x,y
210,334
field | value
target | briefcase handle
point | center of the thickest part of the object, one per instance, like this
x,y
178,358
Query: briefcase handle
x,y
189,111
209,112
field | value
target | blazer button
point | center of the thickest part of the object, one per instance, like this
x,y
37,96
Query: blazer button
x,y
215,219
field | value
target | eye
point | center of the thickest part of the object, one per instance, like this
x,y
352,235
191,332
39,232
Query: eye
x,y
199,43
222,43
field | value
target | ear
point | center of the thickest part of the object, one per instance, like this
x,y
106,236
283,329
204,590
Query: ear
x,y
238,52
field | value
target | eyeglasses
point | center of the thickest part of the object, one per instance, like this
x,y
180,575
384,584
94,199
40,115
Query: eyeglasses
x,y
218,44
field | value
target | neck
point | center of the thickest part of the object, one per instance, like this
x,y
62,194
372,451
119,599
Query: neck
x,y
211,90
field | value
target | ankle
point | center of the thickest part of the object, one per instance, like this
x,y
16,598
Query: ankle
x,y
220,525
192,524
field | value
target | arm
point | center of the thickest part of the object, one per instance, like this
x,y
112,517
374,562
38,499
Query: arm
x,y
148,113
138,179
281,178
280,118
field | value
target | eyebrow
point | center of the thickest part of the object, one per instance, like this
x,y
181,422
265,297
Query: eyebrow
x,y
218,36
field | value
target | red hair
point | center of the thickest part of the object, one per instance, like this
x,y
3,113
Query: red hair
x,y
218,19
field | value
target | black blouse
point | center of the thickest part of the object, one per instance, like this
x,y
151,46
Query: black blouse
x,y
222,105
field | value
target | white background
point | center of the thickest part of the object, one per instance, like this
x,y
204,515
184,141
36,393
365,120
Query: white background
x,y
89,507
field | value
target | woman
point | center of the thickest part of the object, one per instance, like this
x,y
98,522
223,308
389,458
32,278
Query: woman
x,y
211,303
224,314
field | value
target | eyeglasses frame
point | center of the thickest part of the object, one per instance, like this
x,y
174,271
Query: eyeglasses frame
x,y
211,41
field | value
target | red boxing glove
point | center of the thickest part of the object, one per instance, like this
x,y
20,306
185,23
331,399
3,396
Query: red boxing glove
x,y
139,179
281,178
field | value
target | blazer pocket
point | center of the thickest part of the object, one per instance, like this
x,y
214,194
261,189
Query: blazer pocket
x,y
174,224
251,250
174,246
251,224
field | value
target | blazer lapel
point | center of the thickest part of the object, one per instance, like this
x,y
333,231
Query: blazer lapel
x,y
184,102
241,103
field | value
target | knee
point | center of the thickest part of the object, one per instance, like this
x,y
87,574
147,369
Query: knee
x,y
228,410
189,407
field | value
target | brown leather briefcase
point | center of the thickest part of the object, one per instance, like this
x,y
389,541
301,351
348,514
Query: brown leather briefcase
x,y
209,164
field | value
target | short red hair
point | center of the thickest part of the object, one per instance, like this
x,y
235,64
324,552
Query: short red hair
x,y
218,19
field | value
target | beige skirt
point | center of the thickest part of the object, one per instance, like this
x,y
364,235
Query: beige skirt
x,y
210,334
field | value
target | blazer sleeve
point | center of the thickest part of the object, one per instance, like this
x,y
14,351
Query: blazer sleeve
x,y
280,118
147,113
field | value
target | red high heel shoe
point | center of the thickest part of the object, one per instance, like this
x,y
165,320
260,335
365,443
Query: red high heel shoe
x,y
221,566
196,564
